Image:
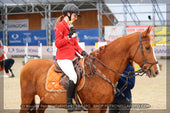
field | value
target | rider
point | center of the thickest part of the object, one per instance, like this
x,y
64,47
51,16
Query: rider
x,y
67,48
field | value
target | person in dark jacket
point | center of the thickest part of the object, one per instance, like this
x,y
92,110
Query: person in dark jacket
x,y
123,98
7,64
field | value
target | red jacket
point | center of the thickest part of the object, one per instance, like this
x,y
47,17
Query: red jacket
x,y
66,48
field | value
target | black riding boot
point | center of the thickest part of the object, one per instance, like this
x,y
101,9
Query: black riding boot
x,y
70,95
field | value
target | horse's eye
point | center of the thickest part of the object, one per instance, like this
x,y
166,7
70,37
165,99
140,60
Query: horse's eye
x,y
147,48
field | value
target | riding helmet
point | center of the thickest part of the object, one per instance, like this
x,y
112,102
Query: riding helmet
x,y
72,8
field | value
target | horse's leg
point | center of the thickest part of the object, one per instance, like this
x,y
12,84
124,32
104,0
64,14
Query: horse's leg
x,y
104,108
94,110
101,109
32,108
42,108
27,98
28,104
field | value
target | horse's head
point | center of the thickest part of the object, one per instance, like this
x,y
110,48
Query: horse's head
x,y
143,54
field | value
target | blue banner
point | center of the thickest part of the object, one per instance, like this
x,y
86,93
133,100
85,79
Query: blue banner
x,y
1,36
19,38
53,36
89,36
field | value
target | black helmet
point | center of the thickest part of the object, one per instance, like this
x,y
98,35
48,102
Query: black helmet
x,y
72,8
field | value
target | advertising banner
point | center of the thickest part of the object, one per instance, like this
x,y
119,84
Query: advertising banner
x,y
48,50
162,35
19,38
1,36
160,30
132,29
89,36
32,50
16,25
113,32
53,36
160,39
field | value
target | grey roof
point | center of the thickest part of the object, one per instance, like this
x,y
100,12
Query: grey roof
x,y
26,2
37,6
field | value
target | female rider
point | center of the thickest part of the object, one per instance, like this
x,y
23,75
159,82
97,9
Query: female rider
x,y
67,48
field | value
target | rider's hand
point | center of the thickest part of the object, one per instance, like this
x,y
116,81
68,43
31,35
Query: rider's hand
x,y
71,32
84,54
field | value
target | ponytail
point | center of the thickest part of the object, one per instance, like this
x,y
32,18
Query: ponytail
x,y
60,18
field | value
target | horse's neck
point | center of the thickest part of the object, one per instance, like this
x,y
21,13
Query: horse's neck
x,y
116,54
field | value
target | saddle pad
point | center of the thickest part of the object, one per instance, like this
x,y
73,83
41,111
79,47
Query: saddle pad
x,y
53,81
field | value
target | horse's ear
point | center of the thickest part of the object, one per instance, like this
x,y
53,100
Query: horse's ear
x,y
147,31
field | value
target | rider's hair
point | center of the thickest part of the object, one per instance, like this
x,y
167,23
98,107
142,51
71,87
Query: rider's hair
x,y
60,18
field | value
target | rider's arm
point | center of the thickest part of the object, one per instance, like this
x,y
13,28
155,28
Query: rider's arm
x,y
77,47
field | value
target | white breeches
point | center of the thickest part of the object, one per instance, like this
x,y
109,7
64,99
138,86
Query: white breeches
x,y
67,67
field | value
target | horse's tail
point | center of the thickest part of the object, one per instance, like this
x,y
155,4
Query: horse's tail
x,y
30,74
27,90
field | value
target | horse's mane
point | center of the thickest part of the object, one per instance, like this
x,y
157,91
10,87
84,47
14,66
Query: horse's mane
x,y
114,43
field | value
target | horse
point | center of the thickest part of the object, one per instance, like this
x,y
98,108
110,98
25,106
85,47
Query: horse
x,y
103,67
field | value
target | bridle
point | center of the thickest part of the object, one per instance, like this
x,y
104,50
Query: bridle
x,y
139,72
141,46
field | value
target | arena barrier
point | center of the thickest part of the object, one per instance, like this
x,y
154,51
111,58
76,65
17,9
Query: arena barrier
x,y
26,57
99,44
54,51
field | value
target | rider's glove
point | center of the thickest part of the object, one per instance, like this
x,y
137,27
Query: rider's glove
x,y
71,32
84,54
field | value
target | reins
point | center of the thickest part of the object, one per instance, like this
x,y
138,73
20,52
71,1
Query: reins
x,y
139,72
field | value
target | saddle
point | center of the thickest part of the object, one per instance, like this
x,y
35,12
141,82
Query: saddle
x,y
64,78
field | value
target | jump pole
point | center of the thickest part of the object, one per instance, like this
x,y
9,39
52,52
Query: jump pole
x,y
54,51
26,57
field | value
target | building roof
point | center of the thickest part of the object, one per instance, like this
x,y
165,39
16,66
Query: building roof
x,y
37,6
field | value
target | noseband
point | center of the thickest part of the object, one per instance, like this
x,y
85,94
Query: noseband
x,y
141,47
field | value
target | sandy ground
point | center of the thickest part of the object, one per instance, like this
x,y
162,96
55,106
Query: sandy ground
x,y
151,91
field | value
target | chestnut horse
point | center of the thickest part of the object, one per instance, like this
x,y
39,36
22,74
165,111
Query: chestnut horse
x,y
107,64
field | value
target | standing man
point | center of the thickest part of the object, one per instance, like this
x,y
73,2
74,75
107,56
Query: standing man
x,y
123,98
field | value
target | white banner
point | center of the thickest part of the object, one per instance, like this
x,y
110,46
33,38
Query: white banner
x,y
32,50
17,25
48,50
113,32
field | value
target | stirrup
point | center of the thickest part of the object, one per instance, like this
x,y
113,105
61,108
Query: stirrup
x,y
70,107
